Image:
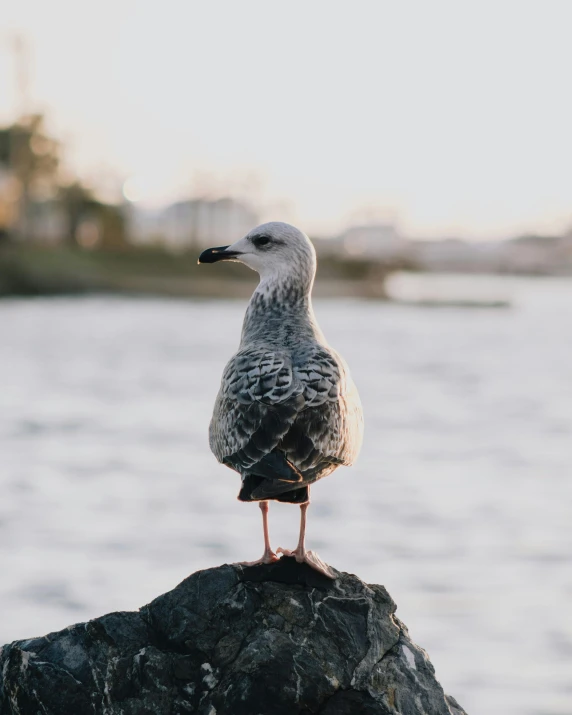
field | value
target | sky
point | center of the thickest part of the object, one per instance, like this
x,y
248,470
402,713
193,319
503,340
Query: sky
x,y
448,117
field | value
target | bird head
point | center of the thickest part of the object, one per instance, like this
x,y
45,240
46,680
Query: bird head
x,y
273,249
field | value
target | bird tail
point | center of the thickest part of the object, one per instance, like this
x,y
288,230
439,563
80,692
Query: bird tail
x,y
273,477
255,488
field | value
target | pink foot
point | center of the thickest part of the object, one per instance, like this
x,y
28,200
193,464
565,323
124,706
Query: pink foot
x,y
269,557
310,558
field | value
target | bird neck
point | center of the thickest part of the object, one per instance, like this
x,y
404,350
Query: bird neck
x,y
280,312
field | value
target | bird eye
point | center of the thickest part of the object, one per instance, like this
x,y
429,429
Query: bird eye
x,y
261,241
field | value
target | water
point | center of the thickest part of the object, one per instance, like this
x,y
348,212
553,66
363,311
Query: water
x,y
459,505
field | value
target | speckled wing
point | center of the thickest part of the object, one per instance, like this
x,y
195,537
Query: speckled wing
x,y
306,407
328,431
258,402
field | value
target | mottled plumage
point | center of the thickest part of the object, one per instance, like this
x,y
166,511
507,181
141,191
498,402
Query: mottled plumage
x,y
287,412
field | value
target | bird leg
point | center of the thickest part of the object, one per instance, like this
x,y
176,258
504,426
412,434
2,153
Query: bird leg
x,y
300,553
268,557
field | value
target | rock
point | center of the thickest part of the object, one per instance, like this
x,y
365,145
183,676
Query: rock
x,y
263,640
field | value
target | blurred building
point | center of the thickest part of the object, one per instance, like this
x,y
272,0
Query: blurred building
x,y
380,241
566,248
529,255
194,223
453,254
544,255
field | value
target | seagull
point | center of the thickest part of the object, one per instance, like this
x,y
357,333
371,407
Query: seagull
x,y
287,413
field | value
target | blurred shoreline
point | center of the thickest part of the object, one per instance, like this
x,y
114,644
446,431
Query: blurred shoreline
x,y
29,270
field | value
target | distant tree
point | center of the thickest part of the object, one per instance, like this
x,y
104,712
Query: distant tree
x,y
78,202
5,147
91,223
32,158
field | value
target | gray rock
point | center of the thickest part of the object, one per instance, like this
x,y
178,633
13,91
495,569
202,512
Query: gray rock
x,y
264,640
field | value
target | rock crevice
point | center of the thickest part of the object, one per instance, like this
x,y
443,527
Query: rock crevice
x,y
264,640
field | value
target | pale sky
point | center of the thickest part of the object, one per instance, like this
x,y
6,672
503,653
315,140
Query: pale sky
x,y
453,117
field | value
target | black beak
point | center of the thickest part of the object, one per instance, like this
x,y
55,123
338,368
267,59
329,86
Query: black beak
x,y
212,255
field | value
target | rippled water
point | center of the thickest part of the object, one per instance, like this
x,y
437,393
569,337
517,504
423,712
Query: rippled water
x,y
459,505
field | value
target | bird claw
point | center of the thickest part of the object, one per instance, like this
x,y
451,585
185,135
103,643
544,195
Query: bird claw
x,y
311,558
268,557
